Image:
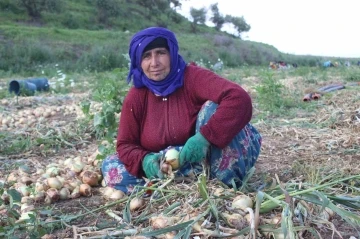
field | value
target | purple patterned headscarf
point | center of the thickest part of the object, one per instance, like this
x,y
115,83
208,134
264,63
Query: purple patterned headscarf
x,y
174,80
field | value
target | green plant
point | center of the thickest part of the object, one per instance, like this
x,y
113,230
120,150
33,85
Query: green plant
x,y
270,93
11,143
110,91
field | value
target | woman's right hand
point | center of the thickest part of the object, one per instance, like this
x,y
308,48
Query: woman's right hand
x,y
166,168
151,166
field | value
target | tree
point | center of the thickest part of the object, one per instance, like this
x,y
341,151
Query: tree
x,y
35,7
198,16
176,3
217,18
107,9
239,24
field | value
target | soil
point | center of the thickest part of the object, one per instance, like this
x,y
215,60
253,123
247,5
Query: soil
x,y
291,153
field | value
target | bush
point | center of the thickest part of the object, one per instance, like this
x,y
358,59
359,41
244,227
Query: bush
x,y
102,58
70,21
11,6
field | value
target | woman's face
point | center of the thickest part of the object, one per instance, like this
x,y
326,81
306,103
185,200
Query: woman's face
x,y
155,63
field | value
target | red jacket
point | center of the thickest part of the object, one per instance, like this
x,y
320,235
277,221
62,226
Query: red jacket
x,y
151,123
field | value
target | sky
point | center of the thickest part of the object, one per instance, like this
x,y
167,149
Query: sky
x,y
306,27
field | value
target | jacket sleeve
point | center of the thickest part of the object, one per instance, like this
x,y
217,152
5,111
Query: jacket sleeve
x,y
234,109
128,139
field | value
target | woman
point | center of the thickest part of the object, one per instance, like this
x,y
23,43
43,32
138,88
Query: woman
x,y
173,104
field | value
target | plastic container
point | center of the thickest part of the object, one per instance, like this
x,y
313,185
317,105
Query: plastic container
x,y
28,87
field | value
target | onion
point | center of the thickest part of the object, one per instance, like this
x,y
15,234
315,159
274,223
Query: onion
x,y
61,179
52,171
26,180
161,222
53,194
68,161
85,190
25,207
40,186
45,175
64,193
242,202
12,177
77,166
46,114
70,174
103,183
40,171
107,191
236,220
90,178
39,196
136,203
96,162
54,183
68,186
116,195
219,192
74,182
274,220
24,190
26,199
75,193
172,158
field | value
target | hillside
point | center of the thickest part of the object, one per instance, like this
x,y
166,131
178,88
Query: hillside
x,y
94,35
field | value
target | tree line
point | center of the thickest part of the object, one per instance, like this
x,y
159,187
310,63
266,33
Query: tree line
x,y
199,17
107,9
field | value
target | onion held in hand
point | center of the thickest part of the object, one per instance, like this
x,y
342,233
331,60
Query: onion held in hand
x,y
172,158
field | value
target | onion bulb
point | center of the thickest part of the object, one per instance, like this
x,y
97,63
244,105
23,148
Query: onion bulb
x,y
136,203
26,200
242,202
26,180
275,220
75,193
54,183
90,178
116,195
77,166
64,193
236,220
39,196
172,158
107,191
219,192
41,186
161,222
26,207
53,194
85,190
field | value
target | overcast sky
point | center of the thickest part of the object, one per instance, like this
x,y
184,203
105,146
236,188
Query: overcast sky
x,y
314,27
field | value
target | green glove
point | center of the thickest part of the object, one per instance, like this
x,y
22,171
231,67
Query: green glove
x,y
194,150
151,165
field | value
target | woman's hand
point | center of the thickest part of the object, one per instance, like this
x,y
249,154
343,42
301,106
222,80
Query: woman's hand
x,y
166,168
194,150
151,165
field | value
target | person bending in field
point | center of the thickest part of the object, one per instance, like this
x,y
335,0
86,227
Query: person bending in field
x,y
175,104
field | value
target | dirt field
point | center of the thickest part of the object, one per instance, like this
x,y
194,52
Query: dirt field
x,y
300,151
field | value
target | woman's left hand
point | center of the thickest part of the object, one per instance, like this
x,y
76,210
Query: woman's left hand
x,y
194,150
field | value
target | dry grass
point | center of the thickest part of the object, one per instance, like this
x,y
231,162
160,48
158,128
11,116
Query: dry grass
x,y
319,145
